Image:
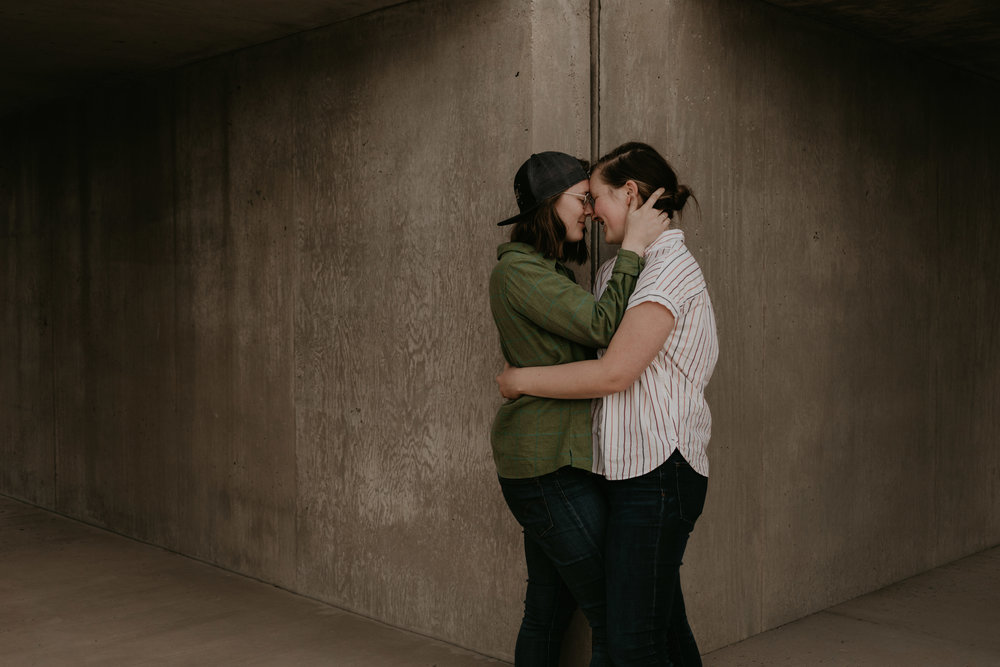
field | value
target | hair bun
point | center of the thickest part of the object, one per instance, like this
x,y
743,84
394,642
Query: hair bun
x,y
681,196
641,163
665,202
673,201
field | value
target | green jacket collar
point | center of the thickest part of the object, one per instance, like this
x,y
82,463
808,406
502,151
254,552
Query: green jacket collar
x,y
524,249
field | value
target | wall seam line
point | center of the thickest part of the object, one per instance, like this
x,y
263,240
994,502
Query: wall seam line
x,y
52,352
595,122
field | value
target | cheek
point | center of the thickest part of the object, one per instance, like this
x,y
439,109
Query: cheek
x,y
565,216
610,213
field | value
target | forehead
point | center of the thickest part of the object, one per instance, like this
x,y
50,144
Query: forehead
x,y
597,184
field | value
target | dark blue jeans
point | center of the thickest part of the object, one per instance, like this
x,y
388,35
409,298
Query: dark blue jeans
x,y
564,516
649,520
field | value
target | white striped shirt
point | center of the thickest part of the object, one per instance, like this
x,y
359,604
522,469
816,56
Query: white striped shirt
x,y
637,429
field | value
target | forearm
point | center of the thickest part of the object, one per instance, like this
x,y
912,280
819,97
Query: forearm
x,y
553,302
582,379
642,334
609,308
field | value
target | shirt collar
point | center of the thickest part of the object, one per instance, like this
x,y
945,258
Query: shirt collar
x,y
666,239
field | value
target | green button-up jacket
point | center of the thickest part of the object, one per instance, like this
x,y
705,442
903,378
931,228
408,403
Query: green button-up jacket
x,y
545,318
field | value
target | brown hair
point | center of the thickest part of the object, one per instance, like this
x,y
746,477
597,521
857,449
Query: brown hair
x,y
546,233
635,161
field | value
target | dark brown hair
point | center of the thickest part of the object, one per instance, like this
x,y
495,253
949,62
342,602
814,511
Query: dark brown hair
x,y
546,233
635,161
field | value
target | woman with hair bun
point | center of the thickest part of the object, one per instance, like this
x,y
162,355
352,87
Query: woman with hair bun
x,y
652,424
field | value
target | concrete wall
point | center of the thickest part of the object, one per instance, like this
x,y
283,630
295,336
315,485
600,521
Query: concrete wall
x,y
847,229
244,305
245,317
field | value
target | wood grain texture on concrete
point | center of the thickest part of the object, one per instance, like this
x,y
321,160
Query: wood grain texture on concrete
x,y
270,344
693,93
246,311
409,127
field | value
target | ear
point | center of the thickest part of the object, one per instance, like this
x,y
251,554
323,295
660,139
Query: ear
x,y
631,188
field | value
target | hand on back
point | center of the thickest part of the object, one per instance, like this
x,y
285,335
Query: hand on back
x,y
505,382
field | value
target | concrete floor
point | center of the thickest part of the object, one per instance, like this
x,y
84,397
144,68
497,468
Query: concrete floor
x,y
948,617
71,594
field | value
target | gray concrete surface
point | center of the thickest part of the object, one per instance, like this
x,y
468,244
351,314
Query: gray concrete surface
x,y
965,34
194,368
58,49
853,271
947,617
245,312
73,594
247,305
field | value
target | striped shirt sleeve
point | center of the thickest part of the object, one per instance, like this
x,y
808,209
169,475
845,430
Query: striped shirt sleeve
x,y
671,280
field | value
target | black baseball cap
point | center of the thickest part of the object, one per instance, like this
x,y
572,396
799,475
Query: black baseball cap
x,y
541,176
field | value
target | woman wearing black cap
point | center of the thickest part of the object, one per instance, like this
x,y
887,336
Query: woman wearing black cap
x,y
653,425
543,448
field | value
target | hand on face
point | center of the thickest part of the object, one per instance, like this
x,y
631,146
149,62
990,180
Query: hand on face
x,y
643,224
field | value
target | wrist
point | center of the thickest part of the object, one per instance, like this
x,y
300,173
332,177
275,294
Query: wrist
x,y
516,381
632,246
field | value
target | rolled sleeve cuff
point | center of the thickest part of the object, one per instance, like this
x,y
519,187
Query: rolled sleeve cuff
x,y
628,263
655,298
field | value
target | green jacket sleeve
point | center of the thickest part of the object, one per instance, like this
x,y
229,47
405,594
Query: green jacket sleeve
x,y
557,304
